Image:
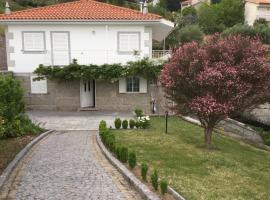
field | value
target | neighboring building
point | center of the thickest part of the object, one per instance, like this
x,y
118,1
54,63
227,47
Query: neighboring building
x,y
194,3
93,33
256,9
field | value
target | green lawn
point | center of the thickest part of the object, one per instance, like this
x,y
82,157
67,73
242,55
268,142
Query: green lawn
x,y
235,171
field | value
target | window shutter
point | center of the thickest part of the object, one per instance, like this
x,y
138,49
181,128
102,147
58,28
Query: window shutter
x,y
143,85
122,85
38,86
34,41
128,42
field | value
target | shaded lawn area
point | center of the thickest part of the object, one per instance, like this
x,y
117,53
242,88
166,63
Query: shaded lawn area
x,y
235,171
10,147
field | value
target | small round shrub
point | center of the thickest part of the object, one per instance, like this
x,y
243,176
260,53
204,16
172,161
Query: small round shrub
x,y
132,159
125,124
118,152
102,125
117,123
138,112
144,170
154,179
163,186
132,123
124,154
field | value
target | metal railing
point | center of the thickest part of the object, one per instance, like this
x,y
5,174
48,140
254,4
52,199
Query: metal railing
x,y
161,54
86,57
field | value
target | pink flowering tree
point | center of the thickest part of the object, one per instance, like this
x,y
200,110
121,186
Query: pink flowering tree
x,y
219,78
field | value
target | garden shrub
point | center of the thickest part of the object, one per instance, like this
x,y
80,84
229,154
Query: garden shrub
x,y
137,124
190,33
132,123
138,112
124,154
117,123
13,121
102,125
144,122
163,186
132,159
125,124
118,152
154,179
144,170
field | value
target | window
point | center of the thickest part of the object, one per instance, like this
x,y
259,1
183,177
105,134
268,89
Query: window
x,y
133,84
128,42
33,41
38,86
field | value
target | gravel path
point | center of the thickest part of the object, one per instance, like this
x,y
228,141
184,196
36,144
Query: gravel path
x,y
68,165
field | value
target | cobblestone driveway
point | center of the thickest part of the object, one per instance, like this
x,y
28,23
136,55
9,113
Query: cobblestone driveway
x,y
68,165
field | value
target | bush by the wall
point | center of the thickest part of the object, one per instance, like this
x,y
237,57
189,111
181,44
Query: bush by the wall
x,y
138,112
132,159
124,154
154,179
144,170
125,124
163,186
102,125
118,152
131,123
117,123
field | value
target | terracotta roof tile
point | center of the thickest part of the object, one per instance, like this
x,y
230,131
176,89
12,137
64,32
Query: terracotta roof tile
x,y
88,10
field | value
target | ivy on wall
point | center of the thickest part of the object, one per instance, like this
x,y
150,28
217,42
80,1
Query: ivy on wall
x,y
144,68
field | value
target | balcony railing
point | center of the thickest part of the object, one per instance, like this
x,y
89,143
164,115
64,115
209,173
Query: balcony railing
x,y
161,54
86,57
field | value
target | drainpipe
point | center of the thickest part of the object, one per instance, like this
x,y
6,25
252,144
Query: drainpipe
x,y
7,9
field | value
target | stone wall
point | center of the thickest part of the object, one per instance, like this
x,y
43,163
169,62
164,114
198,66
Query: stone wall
x,y
260,114
66,96
3,57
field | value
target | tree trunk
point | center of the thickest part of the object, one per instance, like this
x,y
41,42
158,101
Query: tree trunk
x,y
208,137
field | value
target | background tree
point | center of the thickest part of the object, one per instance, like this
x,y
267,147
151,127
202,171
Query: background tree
x,y
217,79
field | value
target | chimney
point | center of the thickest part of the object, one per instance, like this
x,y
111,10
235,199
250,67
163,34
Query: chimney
x,y
141,5
7,9
145,8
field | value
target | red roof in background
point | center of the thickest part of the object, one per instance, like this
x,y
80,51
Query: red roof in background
x,y
80,10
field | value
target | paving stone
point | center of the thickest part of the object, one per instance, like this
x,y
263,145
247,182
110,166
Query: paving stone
x,y
67,165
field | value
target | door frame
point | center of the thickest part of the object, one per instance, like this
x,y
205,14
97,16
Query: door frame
x,y
93,81
69,49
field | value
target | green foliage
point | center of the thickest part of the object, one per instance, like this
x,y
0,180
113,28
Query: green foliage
x,y
125,124
124,154
260,21
160,10
131,123
259,30
208,19
107,137
190,33
189,11
102,125
264,134
144,170
217,17
12,121
144,68
132,159
138,112
154,179
163,186
117,123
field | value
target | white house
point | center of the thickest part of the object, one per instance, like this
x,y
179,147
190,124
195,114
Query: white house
x,y
256,9
91,32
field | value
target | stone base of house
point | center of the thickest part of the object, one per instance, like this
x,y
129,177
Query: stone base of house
x,y
65,96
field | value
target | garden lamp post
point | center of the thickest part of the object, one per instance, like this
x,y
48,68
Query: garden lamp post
x,y
166,117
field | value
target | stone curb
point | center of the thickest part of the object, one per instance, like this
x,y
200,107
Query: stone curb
x,y
143,190
175,194
9,169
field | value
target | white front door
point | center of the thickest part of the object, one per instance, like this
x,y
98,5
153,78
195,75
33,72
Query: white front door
x,y
60,48
87,93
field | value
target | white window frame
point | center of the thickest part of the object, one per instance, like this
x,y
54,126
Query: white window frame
x,y
130,51
132,87
35,90
32,50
